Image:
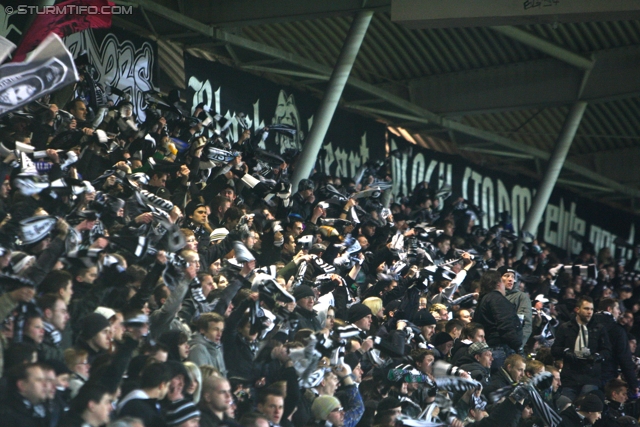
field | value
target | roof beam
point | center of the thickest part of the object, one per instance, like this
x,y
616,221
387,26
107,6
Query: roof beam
x,y
233,13
528,85
484,13
584,185
314,76
545,46
499,153
426,115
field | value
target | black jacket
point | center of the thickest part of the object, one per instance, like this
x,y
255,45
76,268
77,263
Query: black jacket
x,y
148,410
619,350
209,419
16,412
301,206
498,380
238,354
612,411
570,418
500,320
579,372
459,350
478,373
307,319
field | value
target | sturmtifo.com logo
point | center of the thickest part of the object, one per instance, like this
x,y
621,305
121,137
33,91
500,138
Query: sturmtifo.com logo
x,y
69,9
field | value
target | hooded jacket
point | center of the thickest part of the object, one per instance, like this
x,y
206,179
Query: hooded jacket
x,y
205,352
523,308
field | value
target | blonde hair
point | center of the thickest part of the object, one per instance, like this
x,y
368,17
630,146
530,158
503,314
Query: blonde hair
x,y
73,356
437,307
207,371
196,375
374,304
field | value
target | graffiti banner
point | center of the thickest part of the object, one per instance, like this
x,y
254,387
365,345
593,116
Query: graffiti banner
x,y
350,141
567,215
120,59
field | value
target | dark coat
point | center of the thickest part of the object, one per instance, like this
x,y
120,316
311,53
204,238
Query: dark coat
x,y
478,373
570,418
15,412
209,419
612,411
578,372
459,350
301,206
500,320
498,380
620,351
148,410
307,319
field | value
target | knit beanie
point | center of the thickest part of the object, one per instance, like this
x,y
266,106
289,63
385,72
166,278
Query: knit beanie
x,y
303,291
424,318
591,403
352,359
181,411
92,324
441,338
323,405
357,312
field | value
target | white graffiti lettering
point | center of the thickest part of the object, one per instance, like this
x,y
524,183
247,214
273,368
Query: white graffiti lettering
x,y
119,64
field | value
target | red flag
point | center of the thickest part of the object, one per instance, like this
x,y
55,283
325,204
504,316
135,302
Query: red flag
x,y
72,16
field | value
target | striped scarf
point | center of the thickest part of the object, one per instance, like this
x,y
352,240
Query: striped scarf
x,y
52,332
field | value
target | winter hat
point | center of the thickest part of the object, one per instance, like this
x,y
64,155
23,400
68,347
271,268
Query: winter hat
x,y
591,403
424,318
504,270
357,312
181,411
441,338
562,402
323,406
191,207
352,359
303,291
388,403
58,366
107,312
92,324
477,348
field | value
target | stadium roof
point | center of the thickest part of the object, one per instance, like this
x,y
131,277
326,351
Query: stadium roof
x,y
495,89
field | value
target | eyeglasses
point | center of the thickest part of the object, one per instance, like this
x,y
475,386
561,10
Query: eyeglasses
x,y
340,409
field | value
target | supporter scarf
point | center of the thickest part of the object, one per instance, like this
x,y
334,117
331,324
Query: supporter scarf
x,y
52,332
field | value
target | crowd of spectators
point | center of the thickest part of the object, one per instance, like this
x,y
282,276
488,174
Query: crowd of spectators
x,y
164,273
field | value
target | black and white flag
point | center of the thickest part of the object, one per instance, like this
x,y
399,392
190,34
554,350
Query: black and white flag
x,y
49,67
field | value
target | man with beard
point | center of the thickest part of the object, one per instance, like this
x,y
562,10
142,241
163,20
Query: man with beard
x,y
583,344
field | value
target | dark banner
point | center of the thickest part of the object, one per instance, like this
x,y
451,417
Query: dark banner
x,y
121,59
350,141
495,192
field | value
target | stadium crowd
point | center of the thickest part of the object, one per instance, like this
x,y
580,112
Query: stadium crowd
x,y
164,273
